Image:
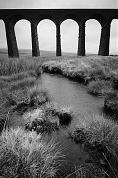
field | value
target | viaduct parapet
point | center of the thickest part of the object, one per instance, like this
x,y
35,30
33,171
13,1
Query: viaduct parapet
x,y
34,16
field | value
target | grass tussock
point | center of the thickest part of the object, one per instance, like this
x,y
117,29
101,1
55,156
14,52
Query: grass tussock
x,y
24,154
41,122
100,137
89,171
38,96
47,118
64,114
111,104
99,87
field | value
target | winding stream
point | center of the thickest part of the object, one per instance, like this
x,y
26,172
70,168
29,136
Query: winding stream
x,y
69,93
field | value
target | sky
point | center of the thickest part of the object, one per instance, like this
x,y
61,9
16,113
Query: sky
x,y
69,28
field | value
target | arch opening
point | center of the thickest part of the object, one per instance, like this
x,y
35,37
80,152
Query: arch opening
x,y
3,40
23,37
92,37
47,37
114,37
69,37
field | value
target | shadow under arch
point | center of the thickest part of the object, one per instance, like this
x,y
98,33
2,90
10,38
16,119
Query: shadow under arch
x,y
3,40
47,37
69,36
92,37
23,36
114,37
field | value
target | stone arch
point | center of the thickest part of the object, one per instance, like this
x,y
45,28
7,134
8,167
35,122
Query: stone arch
x,y
69,35
92,37
23,35
47,36
3,41
114,37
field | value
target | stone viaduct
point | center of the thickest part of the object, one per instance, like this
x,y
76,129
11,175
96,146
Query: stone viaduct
x,y
34,16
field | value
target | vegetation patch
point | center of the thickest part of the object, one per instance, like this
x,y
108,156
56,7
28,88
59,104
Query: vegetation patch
x,y
18,65
64,114
38,121
99,87
99,137
24,154
111,104
89,170
47,118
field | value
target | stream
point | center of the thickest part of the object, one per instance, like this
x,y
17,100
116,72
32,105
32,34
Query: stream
x,y
70,93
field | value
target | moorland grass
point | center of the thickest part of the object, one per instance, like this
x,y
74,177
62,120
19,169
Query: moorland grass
x,y
16,75
97,134
111,104
47,118
99,137
85,69
10,66
24,154
99,87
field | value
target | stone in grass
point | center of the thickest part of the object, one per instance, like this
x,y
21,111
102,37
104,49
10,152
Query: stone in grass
x,y
111,104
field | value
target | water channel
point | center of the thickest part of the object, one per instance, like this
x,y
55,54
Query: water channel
x,y
70,93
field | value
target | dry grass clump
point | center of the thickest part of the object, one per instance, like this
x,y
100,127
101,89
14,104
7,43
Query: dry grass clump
x,y
64,114
99,87
47,118
41,122
26,96
111,104
24,154
38,96
100,137
89,171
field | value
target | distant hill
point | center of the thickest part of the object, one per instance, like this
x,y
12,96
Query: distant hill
x,y
27,52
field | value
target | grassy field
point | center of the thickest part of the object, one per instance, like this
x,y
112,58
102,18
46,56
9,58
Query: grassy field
x,y
27,113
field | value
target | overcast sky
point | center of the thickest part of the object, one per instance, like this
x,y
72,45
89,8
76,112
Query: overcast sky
x,y
69,29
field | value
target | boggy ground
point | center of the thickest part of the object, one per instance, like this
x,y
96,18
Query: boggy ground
x,y
27,113
97,134
26,116
99,74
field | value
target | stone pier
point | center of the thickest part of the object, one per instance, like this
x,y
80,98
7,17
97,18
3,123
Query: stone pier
x,y
34,36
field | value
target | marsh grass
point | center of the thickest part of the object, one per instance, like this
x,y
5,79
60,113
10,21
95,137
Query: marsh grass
x,y
38,96
111,104
63,113
9,66
85,69
41,122
48,118
24,154
99,87
16,76
89,171
100,138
